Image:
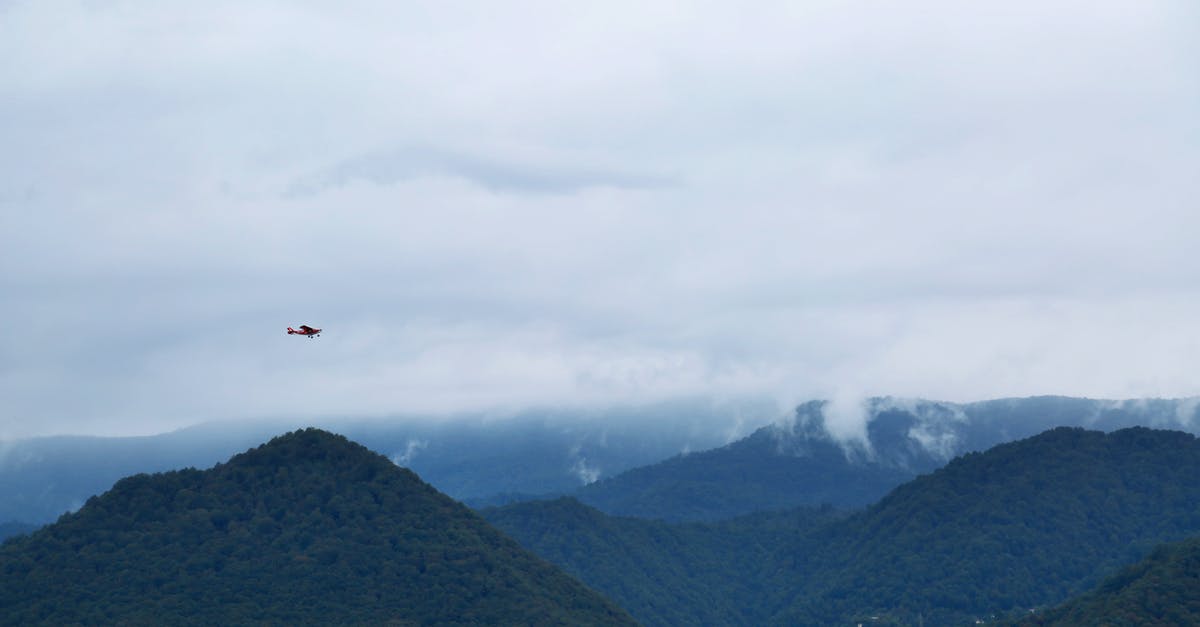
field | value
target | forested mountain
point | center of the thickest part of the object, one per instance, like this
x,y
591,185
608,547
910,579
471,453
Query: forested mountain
x,y
485,460
1163,589
758,473
798,462
495,460
1025,524
662,573
468,457
309,528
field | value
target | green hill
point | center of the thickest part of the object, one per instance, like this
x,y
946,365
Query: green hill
x,y
309,528
1163,589
1025,524
662,573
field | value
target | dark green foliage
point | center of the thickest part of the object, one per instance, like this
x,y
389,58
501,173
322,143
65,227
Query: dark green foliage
x,y
307,529
1024,525
1163,589
662,573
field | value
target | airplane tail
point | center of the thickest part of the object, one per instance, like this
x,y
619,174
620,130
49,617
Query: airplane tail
x,y
291,331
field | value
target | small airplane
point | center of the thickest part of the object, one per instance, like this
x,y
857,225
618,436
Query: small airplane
x,y
304,330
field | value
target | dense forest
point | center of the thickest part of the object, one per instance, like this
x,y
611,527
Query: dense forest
x,y
1163,589
1024,525
663,573
312,528
307,529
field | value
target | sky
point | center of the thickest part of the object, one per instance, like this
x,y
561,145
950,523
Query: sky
x,y
490,206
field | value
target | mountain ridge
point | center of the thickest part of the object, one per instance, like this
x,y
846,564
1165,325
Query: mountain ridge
x,y
1025,524
1162,589
798,462
308,528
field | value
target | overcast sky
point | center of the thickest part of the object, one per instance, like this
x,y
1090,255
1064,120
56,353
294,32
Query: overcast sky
x,y
495,205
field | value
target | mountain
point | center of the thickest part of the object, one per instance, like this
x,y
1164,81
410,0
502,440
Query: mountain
x,y
1025,524
800,462
758,473
469,457
664,574
41,478
485,459
1163,589
309,528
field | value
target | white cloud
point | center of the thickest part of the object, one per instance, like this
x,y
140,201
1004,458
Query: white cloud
x,y
558,203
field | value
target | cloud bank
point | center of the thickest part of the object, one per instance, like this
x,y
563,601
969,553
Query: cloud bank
x,y
555,204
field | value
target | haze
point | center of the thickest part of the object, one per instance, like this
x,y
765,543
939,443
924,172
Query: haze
x,y
545,203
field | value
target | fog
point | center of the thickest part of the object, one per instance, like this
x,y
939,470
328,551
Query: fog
x,y
490,209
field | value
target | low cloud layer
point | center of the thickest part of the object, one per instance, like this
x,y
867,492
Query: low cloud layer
x,y
551,204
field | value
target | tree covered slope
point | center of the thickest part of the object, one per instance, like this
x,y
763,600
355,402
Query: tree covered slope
x,y
662,573
1025,524
1022,525
1163,589
309,528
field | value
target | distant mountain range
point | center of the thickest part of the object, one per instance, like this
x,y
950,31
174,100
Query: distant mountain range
x,y
798,462
312,528
651,462
309,528
1024,525
467,457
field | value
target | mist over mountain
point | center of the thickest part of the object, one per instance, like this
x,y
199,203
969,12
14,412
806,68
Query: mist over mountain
x,y
309,528
760,472
918,433
467,457
1025,524
828,453
822,453
41,478
1022,525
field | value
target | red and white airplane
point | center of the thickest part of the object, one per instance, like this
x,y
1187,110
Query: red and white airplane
x,y
305,330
